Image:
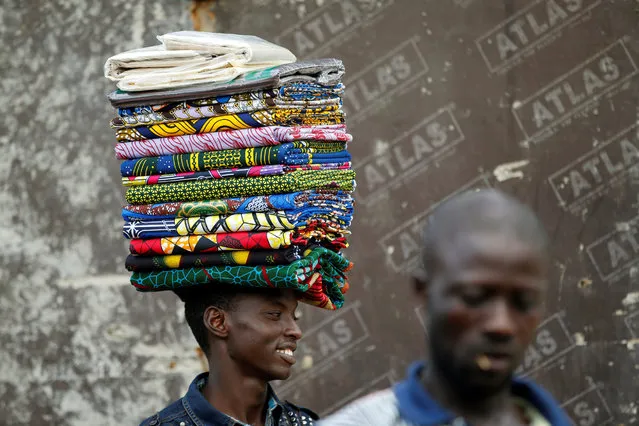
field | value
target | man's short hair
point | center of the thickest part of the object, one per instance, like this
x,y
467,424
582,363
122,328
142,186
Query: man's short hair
x,y
477,211
197,299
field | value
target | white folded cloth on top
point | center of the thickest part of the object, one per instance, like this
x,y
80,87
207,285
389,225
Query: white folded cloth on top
x,y
191,57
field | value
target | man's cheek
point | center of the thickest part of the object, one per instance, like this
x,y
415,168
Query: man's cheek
x,y
460,318
528,326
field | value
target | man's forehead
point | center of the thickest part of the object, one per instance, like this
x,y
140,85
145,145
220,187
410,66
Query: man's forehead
x,y
490,239
483,210
272,297
486,247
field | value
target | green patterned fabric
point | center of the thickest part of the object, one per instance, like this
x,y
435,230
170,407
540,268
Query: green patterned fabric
x,y
212,189
319,276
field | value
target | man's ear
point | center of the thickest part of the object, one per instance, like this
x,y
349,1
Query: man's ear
x,y
216,321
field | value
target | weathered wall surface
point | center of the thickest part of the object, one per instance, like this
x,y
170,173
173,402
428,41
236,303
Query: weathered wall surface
x,y
78,346
536,97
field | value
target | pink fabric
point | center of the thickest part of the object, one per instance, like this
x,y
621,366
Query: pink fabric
x,y
234,139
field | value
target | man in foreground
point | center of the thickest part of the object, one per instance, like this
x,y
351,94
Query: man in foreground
x,y
249,337
485,259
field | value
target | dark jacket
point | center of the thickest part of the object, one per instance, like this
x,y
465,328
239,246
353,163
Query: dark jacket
x,y
408,403
194,410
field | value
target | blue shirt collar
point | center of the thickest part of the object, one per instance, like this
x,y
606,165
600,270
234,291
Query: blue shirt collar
x,y
197,405
417,406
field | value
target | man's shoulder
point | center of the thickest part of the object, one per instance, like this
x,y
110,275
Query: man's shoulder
x,y
377,408
172,413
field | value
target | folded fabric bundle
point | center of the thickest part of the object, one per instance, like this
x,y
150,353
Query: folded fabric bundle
x,y
266,117
304,96
322,72
190,57
232,258
318,228
232,241
289,93
241,222
232,139
298,217
294,202
268,170
236,166
288,153
319,277
232,223
242,187
212,243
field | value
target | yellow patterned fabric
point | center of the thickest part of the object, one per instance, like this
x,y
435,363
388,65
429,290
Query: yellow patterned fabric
x,y
330,114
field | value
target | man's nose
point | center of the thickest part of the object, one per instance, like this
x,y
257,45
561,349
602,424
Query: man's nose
x,y
293,330
500,324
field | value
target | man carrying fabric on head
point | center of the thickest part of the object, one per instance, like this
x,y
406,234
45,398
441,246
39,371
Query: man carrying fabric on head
x,y
485,258
249,336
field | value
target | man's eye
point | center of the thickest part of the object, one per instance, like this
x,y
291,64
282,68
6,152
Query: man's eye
x,y
275,314
525,302
474,298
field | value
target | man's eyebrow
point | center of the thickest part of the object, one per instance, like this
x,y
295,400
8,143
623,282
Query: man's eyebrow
x,y
280,304
274,302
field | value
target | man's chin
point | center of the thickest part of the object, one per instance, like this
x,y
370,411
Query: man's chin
x,y
486,384
279,373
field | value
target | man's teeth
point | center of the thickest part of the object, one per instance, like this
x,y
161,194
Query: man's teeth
x,y
285,352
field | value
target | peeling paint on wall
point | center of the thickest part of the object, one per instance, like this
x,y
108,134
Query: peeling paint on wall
x,y
70,318
203,15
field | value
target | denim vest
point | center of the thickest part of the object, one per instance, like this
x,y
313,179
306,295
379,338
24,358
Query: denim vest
x,y
194,410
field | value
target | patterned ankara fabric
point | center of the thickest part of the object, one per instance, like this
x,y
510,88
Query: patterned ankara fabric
x,y
289,153
242,187
238,257
292,202
247,182
242,222
212,243
319,276
232,139
238,172
222,105
182,226
267,117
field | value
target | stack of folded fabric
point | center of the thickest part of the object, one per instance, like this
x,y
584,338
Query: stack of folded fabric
x,y
243,179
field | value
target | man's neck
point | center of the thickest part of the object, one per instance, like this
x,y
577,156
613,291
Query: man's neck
x,y
243,398
494,409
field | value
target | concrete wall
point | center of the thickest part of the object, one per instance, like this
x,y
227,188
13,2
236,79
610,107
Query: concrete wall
x,y
536,97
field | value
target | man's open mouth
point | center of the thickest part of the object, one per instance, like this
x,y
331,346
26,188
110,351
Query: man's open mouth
x,y
287,355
